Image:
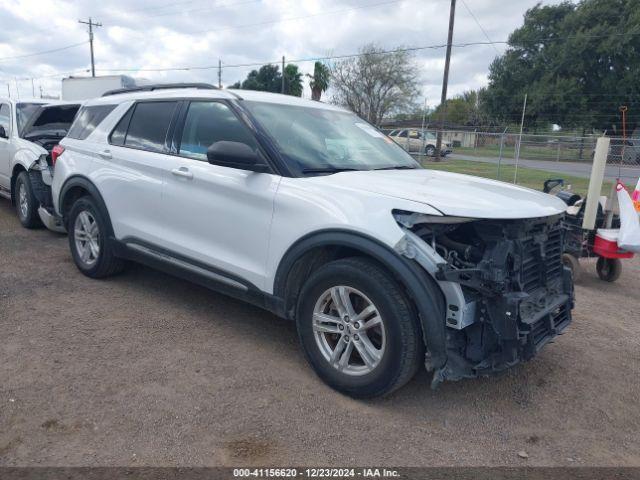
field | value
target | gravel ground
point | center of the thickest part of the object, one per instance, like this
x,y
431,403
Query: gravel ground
x,y
146,369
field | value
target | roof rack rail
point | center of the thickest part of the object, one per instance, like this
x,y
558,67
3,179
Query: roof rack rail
x,y
159,86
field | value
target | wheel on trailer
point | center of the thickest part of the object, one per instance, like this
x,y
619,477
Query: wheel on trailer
x,y
609,269
573,263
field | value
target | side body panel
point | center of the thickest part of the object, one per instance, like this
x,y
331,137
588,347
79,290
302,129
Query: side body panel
x,y
219,216
304,206
129,180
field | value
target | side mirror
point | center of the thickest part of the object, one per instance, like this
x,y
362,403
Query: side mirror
x,y
3,132
235,155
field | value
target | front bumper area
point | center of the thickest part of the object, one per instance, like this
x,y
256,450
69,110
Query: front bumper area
x,y
508,330
506,290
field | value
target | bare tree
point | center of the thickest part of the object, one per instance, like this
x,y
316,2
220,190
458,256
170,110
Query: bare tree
x,y
376,84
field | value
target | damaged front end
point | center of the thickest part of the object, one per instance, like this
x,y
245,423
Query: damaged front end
x,y
507,292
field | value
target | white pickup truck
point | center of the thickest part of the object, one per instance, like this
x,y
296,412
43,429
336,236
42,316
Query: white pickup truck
x,y
29,129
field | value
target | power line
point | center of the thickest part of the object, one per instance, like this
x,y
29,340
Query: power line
x,y
273,22
217,5
338,57
52,75
300,60
158,7
44,52
479,25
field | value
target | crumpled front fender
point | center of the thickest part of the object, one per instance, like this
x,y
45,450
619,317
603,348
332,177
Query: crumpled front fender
x,y
28,158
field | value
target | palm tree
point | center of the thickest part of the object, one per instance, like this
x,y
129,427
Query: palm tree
x,y
319,81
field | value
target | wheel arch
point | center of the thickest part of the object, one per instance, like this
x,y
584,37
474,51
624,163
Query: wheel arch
x,y
15,171
78,186
318,248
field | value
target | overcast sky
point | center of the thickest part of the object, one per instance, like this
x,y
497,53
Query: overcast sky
x,y
143,34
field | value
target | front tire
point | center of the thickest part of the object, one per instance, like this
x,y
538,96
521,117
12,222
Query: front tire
x,y
357,328
91,249
430,151
26,202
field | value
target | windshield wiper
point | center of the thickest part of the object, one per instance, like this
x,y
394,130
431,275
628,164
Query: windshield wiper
x,y
329,170
398,167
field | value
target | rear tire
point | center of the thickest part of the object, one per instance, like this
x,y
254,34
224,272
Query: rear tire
x,y
609,269
26,202
92,251
379,351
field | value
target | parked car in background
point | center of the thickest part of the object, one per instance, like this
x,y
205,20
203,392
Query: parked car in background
x,y
419,141
302,208
29,130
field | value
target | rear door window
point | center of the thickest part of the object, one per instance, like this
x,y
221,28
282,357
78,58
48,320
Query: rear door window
x,y
88,119
149,125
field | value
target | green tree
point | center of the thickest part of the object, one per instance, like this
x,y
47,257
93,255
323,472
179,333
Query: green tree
x,y
268,79
577,63
319,81
469,108
292,80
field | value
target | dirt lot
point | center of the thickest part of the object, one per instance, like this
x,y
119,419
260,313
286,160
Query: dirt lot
x,y
146,369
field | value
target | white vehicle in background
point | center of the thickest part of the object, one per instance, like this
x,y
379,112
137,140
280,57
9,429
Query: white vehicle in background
x,y
29,130
419,141
306,210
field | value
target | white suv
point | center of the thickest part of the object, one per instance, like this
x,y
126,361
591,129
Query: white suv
x,y
308,211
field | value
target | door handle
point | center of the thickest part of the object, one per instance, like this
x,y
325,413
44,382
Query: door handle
x,y
182,172
106,154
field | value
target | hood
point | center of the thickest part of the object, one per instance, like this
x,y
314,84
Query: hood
x,y
453,194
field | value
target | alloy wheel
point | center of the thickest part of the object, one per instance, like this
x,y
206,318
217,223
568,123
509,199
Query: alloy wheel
x,y
349,330
23,201
86,236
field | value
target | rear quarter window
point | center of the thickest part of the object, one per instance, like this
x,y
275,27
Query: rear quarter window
x,y
88,119
149,125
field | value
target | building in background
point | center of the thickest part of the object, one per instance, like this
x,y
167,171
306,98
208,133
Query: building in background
x,y
84,88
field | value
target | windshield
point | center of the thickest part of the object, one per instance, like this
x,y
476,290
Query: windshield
x,y
316,140
24,112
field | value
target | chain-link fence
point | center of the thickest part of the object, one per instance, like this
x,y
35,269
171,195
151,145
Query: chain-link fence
x,y
527,160
543,147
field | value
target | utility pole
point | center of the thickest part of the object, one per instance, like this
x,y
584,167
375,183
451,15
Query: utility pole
x,y
219,73
91,24
33,89
445,79
40,91
282,87
8,90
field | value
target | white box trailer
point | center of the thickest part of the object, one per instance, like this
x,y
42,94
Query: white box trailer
x,y
84,88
